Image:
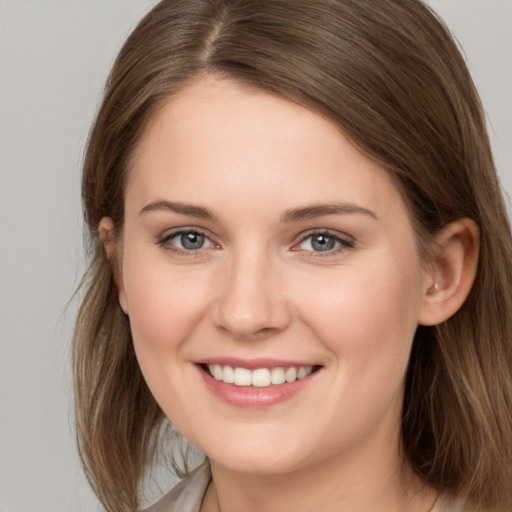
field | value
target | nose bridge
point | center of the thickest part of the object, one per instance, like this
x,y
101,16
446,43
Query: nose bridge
x,y
251,302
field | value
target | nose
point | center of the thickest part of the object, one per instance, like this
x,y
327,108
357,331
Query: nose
x,y
251,304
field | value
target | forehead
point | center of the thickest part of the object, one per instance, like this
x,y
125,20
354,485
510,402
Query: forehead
x,y
216,140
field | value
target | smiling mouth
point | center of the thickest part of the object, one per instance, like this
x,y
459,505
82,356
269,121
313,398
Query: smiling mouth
x,y
259,377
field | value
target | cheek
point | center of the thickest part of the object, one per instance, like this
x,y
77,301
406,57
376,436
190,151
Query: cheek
x,y
366,315
164,304
367,320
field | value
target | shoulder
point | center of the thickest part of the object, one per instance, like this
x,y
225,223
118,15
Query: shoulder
x,y
449,503
187,495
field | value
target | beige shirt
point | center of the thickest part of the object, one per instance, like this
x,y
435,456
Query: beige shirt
x,y
188,494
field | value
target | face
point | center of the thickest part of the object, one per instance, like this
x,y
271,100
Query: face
x,y
271,278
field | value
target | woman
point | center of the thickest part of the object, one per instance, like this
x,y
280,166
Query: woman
x,y
301,258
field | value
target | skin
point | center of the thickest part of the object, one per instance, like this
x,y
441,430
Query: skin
x,y
257,288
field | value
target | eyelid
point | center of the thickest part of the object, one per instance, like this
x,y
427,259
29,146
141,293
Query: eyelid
x,y
164,240
346,242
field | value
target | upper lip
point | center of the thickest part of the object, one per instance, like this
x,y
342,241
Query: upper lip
x,y
253,364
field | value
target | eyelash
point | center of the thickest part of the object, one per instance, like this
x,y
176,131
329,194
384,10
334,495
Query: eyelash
x,y
164,242
343,243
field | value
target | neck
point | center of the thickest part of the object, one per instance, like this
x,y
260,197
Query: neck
x,y
350,482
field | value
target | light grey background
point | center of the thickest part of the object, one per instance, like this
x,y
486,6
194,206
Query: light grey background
x,y
54,57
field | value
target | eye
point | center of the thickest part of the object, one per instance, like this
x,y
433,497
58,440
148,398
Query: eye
x,y
323,242
186,240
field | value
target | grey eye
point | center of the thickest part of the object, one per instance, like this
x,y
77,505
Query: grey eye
x,y
322,242
319,242
186,241
191,240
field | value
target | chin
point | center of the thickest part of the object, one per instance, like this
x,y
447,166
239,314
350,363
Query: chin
x,y
258,458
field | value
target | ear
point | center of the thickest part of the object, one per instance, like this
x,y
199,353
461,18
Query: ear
x,y
110,244
452,271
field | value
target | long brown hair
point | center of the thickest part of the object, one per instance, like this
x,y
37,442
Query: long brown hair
x,y
390,75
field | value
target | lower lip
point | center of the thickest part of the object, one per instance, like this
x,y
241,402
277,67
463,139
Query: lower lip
x,y
253,397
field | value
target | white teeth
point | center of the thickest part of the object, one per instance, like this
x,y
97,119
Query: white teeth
x,y
217,371
291,374
243,377
261,377
304,371
228,375
277,376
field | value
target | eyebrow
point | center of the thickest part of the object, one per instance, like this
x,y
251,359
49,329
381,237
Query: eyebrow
x,y
318,210
183,208
289,216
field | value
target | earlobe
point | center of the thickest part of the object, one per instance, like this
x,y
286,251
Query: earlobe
x,y
107,236
452,271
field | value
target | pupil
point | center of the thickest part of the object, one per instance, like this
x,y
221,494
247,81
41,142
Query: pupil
x,y
322,243
192,240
